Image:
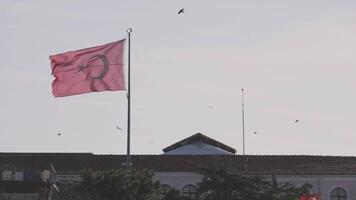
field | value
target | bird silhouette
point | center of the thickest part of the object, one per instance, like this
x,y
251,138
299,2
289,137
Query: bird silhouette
x,y
181,11
255,132
59,134
118,128
296,121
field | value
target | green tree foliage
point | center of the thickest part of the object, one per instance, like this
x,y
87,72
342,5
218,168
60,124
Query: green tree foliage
x,y
121,184
139,185
117,185
73,192
221,185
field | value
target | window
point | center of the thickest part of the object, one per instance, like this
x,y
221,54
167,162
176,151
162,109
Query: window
x,y
165,189
338,194
189,191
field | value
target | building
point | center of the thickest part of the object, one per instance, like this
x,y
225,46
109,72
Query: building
x,y
333,176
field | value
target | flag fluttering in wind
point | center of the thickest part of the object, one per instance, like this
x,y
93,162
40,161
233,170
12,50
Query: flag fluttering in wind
x,y
310,197
87,70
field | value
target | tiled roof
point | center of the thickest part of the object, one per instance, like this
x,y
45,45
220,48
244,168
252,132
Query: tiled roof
x,y
200,138
263,165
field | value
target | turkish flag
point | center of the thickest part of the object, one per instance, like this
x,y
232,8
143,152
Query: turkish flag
x,y
310,197
92,69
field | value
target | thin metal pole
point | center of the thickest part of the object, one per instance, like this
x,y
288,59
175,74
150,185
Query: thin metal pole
x,y
243,122
243,133
128,161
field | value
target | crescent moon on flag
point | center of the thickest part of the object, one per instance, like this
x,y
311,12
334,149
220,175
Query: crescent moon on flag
x,y
105,66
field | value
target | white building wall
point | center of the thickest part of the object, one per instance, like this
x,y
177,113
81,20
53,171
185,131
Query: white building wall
x,y
323,184
177,180
68,178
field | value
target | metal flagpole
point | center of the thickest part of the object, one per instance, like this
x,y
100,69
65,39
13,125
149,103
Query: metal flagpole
x,y
128,161
243,122
243,132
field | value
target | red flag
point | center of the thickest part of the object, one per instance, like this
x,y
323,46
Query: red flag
x,y
93,69
310,197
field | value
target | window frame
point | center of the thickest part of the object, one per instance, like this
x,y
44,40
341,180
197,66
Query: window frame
x,y
338,193
192,191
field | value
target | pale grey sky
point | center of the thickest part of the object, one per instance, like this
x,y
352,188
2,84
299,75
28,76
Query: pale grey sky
x,y
295,59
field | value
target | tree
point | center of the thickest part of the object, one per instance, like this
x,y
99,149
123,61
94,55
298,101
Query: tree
x,y
139,185
221,185
117,185
285,191
73,192
121,184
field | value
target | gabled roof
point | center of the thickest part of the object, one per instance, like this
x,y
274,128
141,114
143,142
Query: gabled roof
x,y
199,138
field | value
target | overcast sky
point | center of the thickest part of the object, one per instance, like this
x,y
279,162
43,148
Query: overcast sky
x,y
295,59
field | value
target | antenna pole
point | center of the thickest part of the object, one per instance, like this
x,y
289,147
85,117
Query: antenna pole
x,y
128,161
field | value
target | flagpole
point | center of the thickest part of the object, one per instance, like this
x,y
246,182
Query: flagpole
x,y
243,122
243,132
128,161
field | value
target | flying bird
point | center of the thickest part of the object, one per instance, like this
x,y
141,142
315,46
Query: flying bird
x,y
255,132
59,134
118,128
296,121
181,11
